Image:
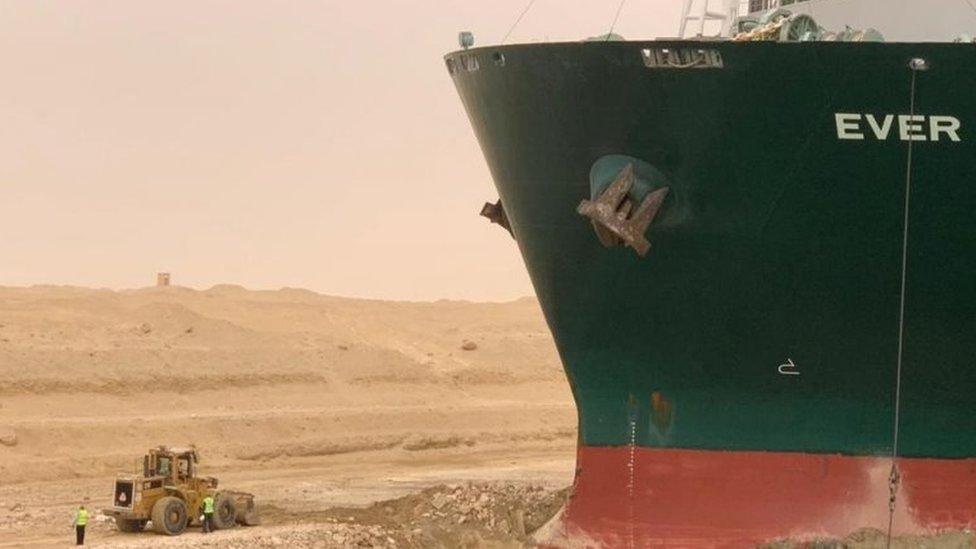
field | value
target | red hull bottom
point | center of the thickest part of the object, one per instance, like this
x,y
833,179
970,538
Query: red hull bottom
x,y
645,497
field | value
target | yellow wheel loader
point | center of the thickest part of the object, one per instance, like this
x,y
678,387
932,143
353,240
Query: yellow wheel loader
x,y
169,494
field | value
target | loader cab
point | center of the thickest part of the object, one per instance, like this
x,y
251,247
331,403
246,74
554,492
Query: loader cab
x,y
164,465
184,468
172,465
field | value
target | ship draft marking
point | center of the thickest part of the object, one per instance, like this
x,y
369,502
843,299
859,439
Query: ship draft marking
x,y
788,369
851,126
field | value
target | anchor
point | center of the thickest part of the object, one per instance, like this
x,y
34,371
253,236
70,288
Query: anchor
x,y
614,218
496,214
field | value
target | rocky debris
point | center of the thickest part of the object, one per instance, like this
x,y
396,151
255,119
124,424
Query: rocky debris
x,y
469,345
145,328
464,515
8,437
438,501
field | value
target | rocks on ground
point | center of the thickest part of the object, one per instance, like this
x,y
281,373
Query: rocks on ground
x,y
473,515
7,436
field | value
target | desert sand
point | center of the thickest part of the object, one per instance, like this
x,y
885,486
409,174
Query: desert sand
x,y
312,403
355,423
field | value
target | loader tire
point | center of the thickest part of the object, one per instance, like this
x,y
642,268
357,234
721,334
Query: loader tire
x,y
225,512
169,516
129,525
248,516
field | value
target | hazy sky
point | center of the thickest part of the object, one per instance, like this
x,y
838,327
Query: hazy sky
x,y
269,144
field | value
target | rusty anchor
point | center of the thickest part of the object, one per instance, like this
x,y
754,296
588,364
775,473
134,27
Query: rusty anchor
x,y
614,218
496,214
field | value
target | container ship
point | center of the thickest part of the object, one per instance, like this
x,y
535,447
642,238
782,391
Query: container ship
x,y
756,252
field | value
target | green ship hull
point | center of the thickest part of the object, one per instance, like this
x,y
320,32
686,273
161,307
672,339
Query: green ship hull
x,y
764,319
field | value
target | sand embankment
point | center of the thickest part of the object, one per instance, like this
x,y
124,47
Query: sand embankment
x,y
307,400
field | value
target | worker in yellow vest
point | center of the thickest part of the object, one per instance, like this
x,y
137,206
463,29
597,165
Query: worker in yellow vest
x,y
208,511
81,520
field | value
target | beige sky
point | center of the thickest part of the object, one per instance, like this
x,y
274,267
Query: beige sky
x,y
268,144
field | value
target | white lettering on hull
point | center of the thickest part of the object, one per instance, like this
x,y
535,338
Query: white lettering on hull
x,y
858,127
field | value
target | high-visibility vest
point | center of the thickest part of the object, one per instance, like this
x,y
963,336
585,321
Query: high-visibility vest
x,y
208,505
81,518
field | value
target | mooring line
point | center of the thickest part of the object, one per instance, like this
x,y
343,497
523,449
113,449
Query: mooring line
x,y
894,477
620,8
518,20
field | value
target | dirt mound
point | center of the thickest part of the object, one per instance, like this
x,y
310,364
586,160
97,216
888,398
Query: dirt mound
x,y
461,515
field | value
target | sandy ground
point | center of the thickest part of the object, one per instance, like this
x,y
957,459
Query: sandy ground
x,y
355,423
310,402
